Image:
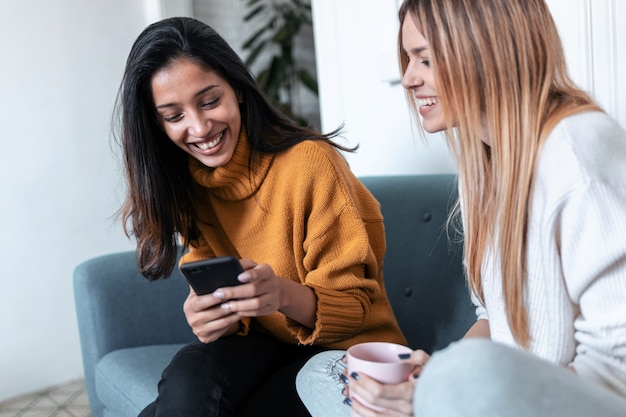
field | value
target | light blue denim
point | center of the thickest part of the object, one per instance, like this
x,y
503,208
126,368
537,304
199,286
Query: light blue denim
x,y
474,378
319,386
480,378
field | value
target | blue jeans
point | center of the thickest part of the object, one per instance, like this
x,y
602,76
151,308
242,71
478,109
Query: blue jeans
x,y
473,378
251,375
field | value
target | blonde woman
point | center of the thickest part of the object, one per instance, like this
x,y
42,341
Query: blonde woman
x,y
542,180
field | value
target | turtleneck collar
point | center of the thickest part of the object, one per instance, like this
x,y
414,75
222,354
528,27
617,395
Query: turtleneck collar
x,y
233,181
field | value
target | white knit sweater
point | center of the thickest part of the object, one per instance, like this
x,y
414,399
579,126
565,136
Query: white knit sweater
x,y
576,288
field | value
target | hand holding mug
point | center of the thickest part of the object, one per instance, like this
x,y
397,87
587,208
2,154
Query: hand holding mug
x,y
385,377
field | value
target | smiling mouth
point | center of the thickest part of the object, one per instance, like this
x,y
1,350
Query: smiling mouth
x,y
427,102
205,146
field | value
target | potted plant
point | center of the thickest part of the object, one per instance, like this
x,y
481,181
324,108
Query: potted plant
x,y
279,22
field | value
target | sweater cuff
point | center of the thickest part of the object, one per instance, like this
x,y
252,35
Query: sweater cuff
x,y
339,316
244,326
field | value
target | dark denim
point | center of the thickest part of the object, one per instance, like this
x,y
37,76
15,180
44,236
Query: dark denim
x,y
241,376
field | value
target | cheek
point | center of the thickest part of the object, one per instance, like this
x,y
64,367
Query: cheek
x,y
174,132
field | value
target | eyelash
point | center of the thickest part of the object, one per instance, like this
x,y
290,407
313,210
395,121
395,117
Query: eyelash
x,y
211,103
176,117
425,62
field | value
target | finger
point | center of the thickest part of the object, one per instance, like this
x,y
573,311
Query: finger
x,y
259,272
238,292
213,330
247,264
417,357
393,396
252,307
360,409
198,319
366,410
196,303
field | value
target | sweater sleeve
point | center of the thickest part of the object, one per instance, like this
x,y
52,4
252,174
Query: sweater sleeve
x,y
345,274
593,253
344,245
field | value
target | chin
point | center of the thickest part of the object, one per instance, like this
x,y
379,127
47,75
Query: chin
x,y
433,129
433,124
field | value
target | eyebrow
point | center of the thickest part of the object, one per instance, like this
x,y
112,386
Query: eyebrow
x,y
419,50
204,90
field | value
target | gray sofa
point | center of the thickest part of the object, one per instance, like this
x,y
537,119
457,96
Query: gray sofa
x,y
130,327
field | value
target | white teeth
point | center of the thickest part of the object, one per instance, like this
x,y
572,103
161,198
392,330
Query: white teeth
x,y
426,102
205,146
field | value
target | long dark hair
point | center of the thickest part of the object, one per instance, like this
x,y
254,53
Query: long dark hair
x,y
158,206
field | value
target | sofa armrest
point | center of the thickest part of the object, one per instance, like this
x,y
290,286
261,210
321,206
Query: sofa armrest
x,y
118,308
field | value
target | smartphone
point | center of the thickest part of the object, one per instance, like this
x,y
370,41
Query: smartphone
x,y
210,274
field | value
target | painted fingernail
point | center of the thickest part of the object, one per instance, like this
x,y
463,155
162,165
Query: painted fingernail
x,y
344,378
218,294
355,375
348,402
225,306
404,355
415,376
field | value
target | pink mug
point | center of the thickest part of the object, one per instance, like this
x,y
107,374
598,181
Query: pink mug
x,y
378,360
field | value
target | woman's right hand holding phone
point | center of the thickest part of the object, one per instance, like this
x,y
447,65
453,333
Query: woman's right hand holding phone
x,y
207,319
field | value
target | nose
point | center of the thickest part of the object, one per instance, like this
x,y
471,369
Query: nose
x,y
411,78
199,126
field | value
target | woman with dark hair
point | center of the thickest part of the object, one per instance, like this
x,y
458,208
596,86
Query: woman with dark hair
x,y
210,162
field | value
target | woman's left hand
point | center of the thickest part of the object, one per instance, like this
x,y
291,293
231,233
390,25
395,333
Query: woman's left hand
x,y
396,399
261,295
265,293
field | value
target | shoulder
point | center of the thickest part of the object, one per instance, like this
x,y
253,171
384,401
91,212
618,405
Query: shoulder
x,y
314,160
316,168
581,149
313,152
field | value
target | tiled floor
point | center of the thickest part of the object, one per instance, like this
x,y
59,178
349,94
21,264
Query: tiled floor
x,y
68,400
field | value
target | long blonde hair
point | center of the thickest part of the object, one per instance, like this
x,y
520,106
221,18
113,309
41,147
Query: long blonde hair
x,y
501,77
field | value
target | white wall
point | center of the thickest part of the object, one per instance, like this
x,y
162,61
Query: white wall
x,y
60,184
358,76
594,36
357,70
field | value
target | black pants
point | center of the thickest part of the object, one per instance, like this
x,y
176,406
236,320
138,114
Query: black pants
x,y
242,376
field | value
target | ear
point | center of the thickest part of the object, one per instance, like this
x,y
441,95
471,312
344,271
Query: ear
x,y
239,97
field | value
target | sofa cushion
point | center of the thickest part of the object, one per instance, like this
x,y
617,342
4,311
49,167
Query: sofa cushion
x,y
127,379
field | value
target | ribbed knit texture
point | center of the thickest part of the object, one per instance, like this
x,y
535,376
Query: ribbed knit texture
x,y
576,292
305,214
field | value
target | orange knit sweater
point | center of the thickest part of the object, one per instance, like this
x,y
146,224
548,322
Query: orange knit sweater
x,y
305,214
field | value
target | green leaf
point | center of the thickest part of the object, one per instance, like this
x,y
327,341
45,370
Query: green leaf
x,y
308,80
261,79
287,32
254,12
255,53
276,75
248,43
